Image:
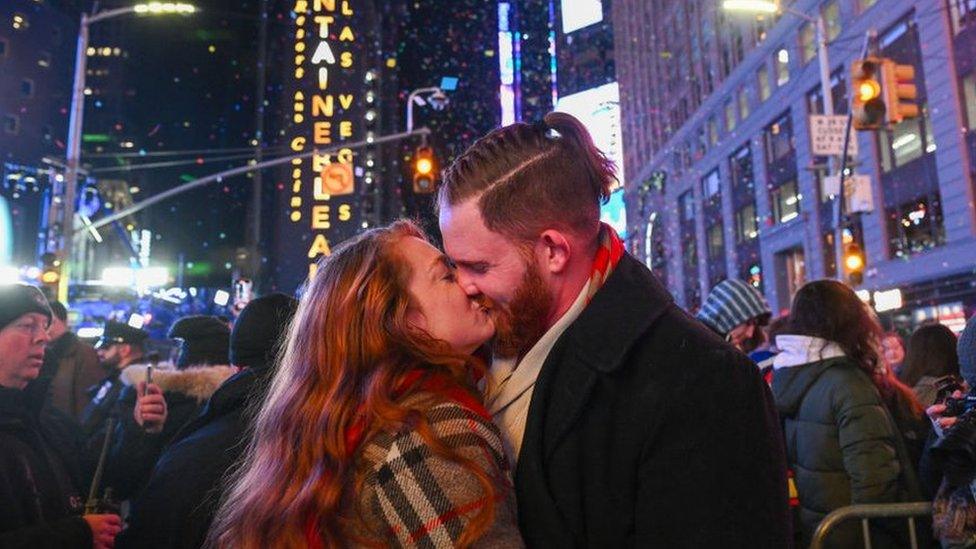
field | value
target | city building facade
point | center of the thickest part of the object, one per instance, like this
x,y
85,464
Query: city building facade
x,y
722,181
36,59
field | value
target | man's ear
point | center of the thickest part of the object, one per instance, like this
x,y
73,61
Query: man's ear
x,y
554,250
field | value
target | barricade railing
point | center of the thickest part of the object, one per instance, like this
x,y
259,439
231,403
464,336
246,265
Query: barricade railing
x,y
865,513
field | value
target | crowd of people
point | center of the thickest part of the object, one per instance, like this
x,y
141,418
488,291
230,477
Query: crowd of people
x,y
531,384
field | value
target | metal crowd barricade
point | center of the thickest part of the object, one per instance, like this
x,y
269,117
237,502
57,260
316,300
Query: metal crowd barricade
x,y
871,511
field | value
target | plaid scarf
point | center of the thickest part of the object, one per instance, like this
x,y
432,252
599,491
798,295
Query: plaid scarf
x,y
417,380
607,256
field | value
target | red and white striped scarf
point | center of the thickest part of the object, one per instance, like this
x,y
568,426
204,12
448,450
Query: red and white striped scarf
x,y
607,256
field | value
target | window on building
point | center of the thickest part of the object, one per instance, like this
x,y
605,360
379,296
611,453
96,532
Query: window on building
x,y
730,119
11,124
838,87
712,131
831,16
687,203
689,250
916,226
782,64
779,139
743,103
791,274
711,185
716,243
44,59
785,200
763,78
746,223
969,96
808,42
962,14
27,87
716,254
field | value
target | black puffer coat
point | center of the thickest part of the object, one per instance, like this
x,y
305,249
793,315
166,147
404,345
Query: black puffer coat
x,y
134,452
39,504
842,445
178,504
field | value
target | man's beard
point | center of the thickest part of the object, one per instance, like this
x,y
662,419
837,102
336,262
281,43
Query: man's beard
x,y
520,325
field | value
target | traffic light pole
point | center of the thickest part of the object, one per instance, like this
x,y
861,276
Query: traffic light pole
x,y
218,177
842,173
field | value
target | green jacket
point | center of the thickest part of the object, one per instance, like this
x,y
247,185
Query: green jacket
x,y
842,445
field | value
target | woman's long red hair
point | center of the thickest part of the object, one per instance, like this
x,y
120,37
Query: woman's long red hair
x,y
348,347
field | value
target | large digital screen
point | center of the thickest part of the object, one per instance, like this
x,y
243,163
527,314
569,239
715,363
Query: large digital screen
x,y
581,13
599,110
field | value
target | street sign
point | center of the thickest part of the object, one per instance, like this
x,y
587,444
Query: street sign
x,y
857,190
827,135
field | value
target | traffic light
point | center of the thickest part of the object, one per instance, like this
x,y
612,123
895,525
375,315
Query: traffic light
x,y
867,103
424,170
50,274
854,263
899,91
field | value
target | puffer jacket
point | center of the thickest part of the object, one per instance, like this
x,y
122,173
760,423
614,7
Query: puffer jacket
x,y
40,505
841,443
134,452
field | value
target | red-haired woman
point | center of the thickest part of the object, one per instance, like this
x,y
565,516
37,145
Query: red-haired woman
x,y
373,433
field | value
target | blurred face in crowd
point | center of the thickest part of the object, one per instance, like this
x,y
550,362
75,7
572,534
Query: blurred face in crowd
x,y
22,350
742,334
441,307
496,271
894,352
117,356
57,329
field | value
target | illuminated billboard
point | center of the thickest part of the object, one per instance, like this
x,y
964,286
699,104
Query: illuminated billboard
x,y
599,110
318,197
6,233
580,13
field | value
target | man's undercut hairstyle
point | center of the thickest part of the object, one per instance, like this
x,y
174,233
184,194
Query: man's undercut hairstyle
x,y
528,178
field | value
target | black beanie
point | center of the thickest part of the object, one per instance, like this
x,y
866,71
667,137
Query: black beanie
x,y
16,300
205,340
259,328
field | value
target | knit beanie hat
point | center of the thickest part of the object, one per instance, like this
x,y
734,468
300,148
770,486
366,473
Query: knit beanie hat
x,y
16,300
730,303
966,348
259,329
204,340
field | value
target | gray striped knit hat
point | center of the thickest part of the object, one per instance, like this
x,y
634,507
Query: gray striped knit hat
x,y
730,303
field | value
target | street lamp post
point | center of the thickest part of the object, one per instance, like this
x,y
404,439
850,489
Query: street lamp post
x,y
65,240
773,6
438,100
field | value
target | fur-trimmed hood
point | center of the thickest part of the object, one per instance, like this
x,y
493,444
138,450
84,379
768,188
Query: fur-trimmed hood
x,y
197,382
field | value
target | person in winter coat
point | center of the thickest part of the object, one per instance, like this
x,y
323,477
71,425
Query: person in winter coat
x,y
373,432
842,443
177,505
931,358
70,366
39,504
629,422
119,346
949,464
737,312
200,369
